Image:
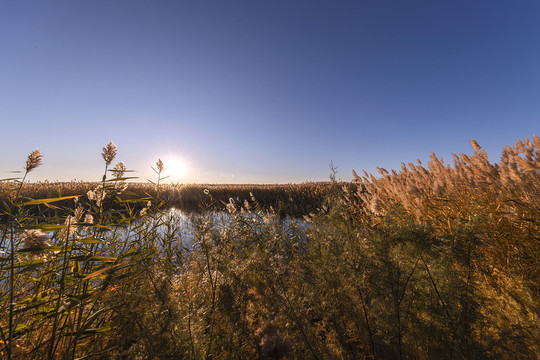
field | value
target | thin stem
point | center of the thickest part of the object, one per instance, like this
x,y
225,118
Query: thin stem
x,y
61,292
12,269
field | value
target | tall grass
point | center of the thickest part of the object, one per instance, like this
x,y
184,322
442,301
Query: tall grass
x,y
426,262
287,199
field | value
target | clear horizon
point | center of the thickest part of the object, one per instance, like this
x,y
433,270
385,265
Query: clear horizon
x,y
262,92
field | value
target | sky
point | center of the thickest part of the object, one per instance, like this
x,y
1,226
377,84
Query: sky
x,y
255,91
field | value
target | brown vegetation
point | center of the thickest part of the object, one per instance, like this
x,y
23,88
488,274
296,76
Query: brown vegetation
x,y
287,199
425,263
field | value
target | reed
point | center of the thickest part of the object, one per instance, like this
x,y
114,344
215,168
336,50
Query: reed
x,y
289,199
425,262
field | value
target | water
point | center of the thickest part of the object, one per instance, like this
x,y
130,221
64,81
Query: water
x,y
178,225
185,227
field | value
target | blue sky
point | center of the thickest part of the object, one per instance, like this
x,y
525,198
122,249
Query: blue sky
x,y
263,91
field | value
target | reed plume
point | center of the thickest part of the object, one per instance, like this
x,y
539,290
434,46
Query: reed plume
x,y
475,145
120,169
422,262
160,166
35,239
33,160
109,152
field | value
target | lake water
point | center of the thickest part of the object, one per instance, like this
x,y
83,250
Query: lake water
x,y
177,224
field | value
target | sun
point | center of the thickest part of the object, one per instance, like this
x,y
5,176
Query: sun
x,y
175,168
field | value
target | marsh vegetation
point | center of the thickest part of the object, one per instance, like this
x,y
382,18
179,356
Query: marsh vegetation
x,y
425,262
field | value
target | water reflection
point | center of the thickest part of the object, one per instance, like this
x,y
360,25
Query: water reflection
x,y
183,223
175,224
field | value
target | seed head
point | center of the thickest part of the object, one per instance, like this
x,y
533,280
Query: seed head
x,y
120,169
160,165
33,160
536,141
109,152
231,208
35,239
375,205
438,188
475,144
96,195
89,218
413,190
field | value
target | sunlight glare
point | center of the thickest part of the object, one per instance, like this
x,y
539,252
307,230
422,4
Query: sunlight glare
x,y
175,168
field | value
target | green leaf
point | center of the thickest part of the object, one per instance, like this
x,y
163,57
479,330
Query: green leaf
x,y
51,227
134,200
122,178
25,263
52,207
41,248
91,240
96,331
44,201
102,258
31,267
99,272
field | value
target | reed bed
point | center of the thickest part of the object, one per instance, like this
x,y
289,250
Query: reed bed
x,y
287,199
435,262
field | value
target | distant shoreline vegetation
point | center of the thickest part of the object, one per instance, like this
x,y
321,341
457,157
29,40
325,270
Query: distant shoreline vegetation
x,y
426,262
286,199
